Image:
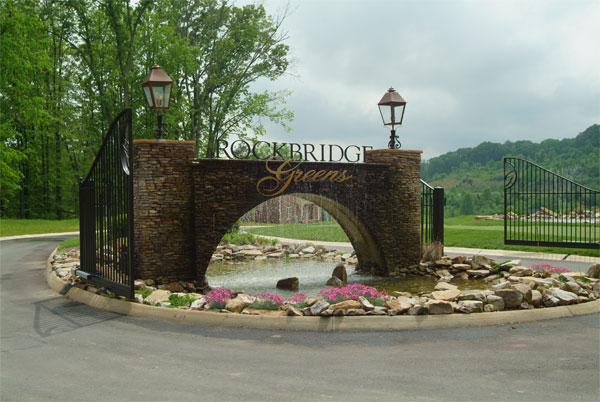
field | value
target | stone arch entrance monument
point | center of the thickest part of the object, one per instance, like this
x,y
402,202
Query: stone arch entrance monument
x,y
183,206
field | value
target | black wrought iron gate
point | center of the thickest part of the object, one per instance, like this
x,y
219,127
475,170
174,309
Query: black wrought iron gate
x,y
542,208
432,214
106,212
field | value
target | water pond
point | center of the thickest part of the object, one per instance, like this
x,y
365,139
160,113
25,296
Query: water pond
x,y
262,276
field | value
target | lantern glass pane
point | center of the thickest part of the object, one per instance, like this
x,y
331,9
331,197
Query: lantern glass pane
x,y
386,114
167,95
148,96
398,114
159,96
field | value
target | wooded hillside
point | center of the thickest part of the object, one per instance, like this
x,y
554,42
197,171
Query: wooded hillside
x,y
473,177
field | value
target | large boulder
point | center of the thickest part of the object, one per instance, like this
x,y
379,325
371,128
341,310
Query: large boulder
x,y
594,271
340,272
564,297
288,283
512,297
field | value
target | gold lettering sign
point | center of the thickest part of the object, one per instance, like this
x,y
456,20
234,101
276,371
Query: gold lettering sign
x,y
289,170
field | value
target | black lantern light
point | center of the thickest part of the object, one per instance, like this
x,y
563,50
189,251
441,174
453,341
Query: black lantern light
x,y
391,107
157,92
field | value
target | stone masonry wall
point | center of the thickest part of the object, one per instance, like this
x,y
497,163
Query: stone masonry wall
x,y
379,207
183,207
163,209
399,232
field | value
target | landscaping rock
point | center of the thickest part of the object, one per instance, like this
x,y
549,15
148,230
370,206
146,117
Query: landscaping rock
x,y
445,294
521,287
470,306
439,307
138,298
419,310
520,271
564,297
594,271
445,286
596,289
565,278
509,264
550,301
512,297
533,297
175,287
501,285
346,305
139,284
572,287
461,267
318,307
472,295
293,311
157,296
335,282
288,283
355,311
236,305
366,304
198,304
478,273
308,250
481,261
378,311
340,272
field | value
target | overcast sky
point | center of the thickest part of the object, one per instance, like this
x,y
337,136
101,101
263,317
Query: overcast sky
x,y
470,71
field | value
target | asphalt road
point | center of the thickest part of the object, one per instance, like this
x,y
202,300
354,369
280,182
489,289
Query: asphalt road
x,y
55,349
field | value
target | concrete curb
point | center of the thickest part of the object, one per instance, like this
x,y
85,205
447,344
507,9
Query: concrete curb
x,y
33,236
360,323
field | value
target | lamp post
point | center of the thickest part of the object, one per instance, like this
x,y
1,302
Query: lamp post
x,y
391,107
157,92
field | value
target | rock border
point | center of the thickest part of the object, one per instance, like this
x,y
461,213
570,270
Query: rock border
x,y
308,323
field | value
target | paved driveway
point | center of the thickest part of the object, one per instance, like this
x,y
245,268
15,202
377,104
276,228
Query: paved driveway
x,y
55,349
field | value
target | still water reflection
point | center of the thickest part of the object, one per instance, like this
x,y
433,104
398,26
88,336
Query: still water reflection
x,y
262,276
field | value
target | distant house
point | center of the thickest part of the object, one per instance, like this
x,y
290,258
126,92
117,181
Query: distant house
x,y
286,209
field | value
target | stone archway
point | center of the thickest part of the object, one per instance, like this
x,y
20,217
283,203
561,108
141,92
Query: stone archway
x,y
184,206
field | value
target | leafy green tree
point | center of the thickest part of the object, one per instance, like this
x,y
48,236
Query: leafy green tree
x,y
214,51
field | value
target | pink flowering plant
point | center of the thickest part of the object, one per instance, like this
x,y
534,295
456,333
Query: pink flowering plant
x,y
549,267
273,301
218,298
352,292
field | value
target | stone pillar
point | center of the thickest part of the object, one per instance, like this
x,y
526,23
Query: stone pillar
x,y
163,210
398,213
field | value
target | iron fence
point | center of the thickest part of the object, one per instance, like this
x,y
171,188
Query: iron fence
x,y
542,208
106,212
432,214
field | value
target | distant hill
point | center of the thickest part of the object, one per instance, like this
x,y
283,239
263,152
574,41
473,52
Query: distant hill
x,y
473,177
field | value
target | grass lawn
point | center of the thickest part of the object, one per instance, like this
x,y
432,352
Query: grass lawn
x,y
461,231
16,227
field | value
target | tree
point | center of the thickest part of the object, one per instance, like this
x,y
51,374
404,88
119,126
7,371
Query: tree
x,y
217,51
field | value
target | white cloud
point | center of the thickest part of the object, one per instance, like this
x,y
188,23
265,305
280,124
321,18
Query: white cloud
x,y
471,71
